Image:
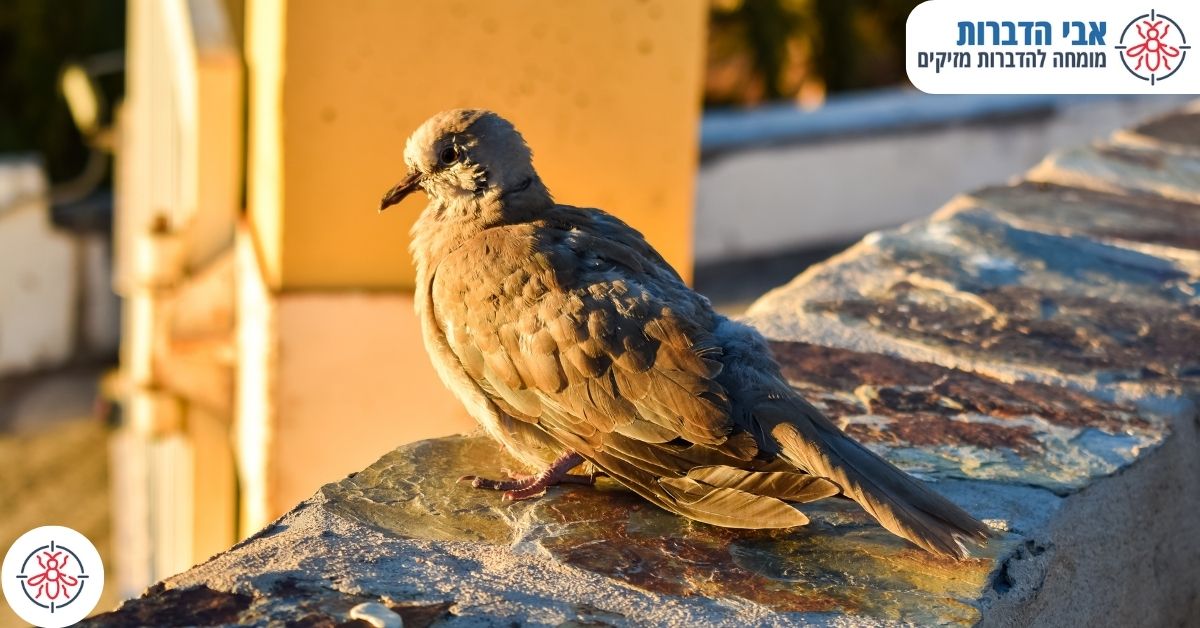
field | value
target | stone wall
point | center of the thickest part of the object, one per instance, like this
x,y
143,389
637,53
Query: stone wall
x,y
1030,350
913,150
1042,334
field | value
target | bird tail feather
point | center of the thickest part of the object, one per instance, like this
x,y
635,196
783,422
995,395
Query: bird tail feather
x,y
901,503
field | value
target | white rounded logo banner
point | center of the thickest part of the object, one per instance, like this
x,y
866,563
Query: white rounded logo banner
x,y
1060,47
52,576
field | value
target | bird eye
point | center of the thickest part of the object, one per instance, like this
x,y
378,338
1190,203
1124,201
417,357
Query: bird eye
x,y
448,155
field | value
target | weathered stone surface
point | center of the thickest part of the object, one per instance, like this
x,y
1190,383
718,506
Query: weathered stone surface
x,y
947,423
403,533
180,607
1133,168
842,563
1031,350
1084,278
979,290
1179,128
1123,218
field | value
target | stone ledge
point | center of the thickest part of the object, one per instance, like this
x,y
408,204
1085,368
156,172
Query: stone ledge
x,y
1081,279
403,533
1030,349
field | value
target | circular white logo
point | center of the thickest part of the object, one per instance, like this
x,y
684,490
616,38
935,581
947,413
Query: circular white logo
x,y
52,576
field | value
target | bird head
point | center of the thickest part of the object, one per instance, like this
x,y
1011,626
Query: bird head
x,y
462,155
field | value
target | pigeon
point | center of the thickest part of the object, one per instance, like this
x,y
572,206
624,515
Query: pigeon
x,y
579,348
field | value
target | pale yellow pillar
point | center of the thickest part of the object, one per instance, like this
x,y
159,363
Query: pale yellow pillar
x,y
178,178
607,92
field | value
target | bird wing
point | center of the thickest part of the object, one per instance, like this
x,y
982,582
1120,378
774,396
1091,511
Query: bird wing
x,y
575,324
556,327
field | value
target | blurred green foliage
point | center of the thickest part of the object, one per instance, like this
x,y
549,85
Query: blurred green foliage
x,y
36,38
762,50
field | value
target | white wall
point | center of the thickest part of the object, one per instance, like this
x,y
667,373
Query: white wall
x,y
770,196
37,268
54,286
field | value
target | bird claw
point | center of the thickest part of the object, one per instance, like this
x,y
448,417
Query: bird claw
x,y
518,488
531,492
516,475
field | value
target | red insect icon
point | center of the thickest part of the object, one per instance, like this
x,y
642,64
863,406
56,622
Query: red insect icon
x,y
1153,52
51,582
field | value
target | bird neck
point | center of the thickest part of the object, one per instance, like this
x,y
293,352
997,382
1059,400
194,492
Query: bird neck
x,y
446,223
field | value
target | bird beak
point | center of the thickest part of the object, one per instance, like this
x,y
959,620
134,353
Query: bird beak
x,y
402,189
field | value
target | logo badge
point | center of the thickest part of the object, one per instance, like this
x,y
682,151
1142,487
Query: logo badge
x,y
52,576
1153,47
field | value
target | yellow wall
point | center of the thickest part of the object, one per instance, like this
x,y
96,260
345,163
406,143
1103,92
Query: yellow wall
x,y
607,92
264,44
348,393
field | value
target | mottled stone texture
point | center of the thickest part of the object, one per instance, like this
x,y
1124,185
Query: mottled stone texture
x,y
1043,333
1032,349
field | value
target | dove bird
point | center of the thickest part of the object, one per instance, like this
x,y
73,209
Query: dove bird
x,y
574,344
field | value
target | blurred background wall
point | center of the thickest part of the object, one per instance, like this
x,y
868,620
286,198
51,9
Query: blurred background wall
x,y
216,164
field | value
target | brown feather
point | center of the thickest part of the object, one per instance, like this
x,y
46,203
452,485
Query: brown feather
x,y
562,327
790,487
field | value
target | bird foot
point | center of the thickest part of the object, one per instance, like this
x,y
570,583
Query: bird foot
x,y
517,488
